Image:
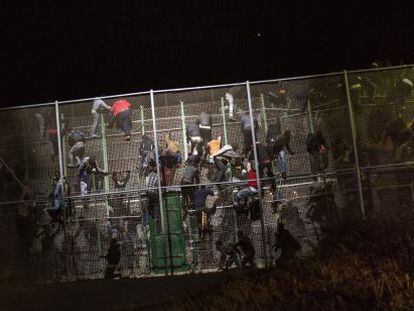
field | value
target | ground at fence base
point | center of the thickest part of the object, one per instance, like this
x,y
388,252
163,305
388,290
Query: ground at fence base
x,y
118,294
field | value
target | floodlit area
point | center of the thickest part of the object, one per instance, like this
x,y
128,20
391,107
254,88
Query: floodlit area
x,y
200,179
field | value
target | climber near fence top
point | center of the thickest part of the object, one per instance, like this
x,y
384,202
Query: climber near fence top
x,y
198,166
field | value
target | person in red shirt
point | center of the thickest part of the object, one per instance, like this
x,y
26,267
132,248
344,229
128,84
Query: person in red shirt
x,y
251,188
122,117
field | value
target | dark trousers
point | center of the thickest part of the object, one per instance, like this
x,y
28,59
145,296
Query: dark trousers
x,y
154,207
124,121
248,259
187,198
110,272
248,140
205,135
221,167
268,167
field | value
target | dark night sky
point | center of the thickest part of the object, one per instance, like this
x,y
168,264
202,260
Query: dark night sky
x,y
71,52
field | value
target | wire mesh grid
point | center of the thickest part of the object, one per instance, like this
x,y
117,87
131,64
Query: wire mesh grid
x,y
301,106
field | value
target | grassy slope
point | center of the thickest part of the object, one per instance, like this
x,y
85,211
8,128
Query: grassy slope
x,y
358,266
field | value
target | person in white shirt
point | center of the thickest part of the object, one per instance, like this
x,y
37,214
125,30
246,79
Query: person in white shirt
x,y
97,106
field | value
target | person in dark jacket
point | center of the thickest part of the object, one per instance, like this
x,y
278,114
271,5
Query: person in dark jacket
x,y
120,181
265,163
401,89
229,255
190,176
288,245
247,124
87,168
277,143
194,137
317,148
203,213
221,159
113,257
76,142
247,248
205,128
146,152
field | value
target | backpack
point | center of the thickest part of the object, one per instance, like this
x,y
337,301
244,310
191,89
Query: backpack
x,y
254,208
273,132
76,136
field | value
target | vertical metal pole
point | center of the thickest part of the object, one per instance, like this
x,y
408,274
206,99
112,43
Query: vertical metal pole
x,y
59,139
95,215
226,143
154,128
265,122
354,137
105,159
61,171
264,112
26,151
310,117
142,120
64,144
184,130
224,121
249,101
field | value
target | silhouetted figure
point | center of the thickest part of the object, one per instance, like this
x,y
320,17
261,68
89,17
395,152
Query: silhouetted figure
x,y
247,248
288,245
113,257
229,255
203,213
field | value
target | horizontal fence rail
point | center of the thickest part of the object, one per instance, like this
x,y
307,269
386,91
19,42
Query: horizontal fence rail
x,y
336,143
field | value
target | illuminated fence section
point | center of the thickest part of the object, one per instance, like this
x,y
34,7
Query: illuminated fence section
x,y
383,110
133,168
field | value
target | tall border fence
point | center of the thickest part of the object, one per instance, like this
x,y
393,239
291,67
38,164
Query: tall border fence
x,y
79,175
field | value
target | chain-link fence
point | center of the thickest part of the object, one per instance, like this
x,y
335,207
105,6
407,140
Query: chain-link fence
x,y
164,182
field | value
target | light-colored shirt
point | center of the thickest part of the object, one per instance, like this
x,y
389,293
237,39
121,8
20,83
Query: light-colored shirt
x,y
98,103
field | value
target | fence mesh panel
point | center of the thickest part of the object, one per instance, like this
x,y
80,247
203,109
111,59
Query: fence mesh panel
x,y
111,176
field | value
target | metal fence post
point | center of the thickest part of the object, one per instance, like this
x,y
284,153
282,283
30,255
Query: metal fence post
x,y
354,138
60,155
142,121
224,121
249,101
105,159
310,117
263,111
61,172
154,125
184,130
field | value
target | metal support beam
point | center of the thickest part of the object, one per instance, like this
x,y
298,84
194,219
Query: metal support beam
x,y
249,101
105,159
224,121
354,139
184,130
154,126
312,128
59,140
142,120
264,112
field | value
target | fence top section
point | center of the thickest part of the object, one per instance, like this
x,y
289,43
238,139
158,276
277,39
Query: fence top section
x,y
213,86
